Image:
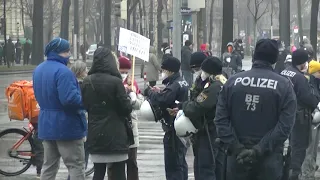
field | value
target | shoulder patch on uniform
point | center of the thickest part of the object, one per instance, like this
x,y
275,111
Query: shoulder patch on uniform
x,y
207,85
202,97
221,78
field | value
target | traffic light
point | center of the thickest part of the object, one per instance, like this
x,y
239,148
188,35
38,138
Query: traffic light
x,y
2,25
121,9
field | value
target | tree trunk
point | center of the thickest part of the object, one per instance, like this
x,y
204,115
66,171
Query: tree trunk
x,y
134,19
22,15
141,18
50,23
151,29
254,39
211,24
314,25
145,17
76,29
64,32
107,23
37,36
227,27
300,20
160,25
84,8
284,24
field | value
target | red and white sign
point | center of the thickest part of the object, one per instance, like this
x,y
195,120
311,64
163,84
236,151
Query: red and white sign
x,y
295,29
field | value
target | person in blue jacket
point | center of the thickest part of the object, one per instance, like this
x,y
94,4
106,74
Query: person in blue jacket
x,y
62,123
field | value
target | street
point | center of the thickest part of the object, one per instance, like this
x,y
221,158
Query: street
x,y
150,151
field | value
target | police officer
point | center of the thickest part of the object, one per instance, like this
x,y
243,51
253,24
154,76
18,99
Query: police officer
x,y
199,111
307,103
196,60
176,90
254,117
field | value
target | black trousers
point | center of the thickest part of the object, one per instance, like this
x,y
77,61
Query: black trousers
x,y
117,169
132,167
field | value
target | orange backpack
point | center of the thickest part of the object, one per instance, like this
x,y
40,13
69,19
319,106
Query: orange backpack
x,y
22,102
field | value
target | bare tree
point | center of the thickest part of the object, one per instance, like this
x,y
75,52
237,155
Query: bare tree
x,y
160,24
211,24
37,37
227,29
314,25
132,4
151,24
64,31
257,13
300,20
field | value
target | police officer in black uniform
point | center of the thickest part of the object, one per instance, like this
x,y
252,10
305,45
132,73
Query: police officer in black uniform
x,y
199,111
307,103
176,90
254,117
196,60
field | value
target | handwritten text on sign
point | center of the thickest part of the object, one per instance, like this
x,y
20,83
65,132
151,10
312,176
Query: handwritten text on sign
x,y
134,44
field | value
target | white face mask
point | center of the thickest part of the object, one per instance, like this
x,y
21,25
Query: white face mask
x,y
124,76
204,75
198,73
164,75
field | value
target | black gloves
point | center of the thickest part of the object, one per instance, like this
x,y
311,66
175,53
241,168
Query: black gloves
x,y
235,149
248,155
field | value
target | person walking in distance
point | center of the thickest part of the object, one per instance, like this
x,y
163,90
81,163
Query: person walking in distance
x,y
26,52
152,68
186,52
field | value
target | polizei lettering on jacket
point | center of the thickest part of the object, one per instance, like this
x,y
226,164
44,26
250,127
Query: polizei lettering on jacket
x,y
257,82
288,73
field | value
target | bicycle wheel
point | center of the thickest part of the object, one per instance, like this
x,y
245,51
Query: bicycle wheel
x,y
23,155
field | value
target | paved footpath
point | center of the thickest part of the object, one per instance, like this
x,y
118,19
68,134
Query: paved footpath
x,y
150,155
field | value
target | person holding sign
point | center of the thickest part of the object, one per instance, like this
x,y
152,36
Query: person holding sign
x,y
176,90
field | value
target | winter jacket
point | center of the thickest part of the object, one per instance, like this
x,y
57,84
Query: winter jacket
x,y
108,106
235,61
58,94
136,106
185,58
152,67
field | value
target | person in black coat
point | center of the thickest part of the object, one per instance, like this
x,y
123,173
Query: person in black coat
x,y
109,108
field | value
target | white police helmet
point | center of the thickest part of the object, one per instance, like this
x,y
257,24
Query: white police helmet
x,y
150,112
183,125
147,111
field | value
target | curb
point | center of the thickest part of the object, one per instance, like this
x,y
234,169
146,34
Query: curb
x,y
15,72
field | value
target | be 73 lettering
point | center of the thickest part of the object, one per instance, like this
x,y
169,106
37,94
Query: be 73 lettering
x,y
252,101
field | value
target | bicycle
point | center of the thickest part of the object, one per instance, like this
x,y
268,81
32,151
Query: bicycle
x,y
26,157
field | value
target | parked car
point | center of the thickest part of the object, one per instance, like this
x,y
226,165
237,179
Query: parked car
x,y
91,50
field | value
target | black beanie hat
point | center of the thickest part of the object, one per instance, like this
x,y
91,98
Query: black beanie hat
x,y
300,56
196,59
171,64
266,50
212,65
